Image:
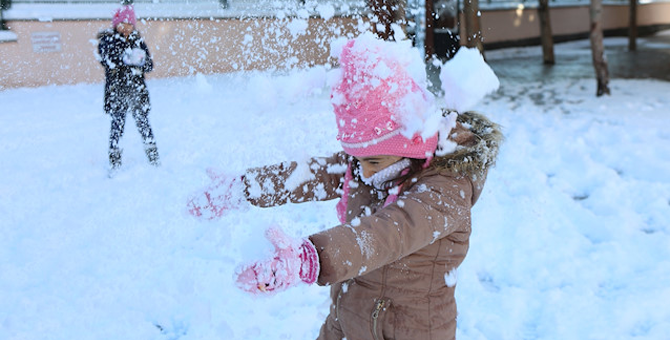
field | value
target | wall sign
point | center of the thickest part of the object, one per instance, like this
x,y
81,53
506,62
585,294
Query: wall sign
x,y
46,41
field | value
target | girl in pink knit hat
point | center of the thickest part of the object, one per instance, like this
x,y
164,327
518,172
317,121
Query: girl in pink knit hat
x,y
125,57
406,182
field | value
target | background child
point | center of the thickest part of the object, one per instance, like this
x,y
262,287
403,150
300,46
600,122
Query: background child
x,y
407,179
125,57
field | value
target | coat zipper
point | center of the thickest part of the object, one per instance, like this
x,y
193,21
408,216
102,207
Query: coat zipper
x,y
379,305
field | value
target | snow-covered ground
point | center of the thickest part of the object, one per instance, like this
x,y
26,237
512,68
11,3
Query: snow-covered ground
x,y
571,237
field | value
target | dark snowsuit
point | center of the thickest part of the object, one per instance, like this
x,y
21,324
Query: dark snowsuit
x,y
125,89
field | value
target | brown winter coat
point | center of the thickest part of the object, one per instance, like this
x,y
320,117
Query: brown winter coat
x,y
391,268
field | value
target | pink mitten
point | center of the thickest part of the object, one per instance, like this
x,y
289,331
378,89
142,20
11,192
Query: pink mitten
x,y
293,261
224,194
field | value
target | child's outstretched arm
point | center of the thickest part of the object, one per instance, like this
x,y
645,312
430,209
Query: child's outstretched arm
x,y
318,179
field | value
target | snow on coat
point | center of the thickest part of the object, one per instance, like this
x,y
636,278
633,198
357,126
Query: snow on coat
x,y
124,80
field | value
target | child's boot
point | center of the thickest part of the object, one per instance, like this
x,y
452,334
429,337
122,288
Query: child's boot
x,y
114,160
152,153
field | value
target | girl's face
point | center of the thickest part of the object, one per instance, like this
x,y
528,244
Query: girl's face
x,y
373,164
125,29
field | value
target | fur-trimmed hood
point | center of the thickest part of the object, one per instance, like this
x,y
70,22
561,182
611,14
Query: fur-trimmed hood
x,y
478,141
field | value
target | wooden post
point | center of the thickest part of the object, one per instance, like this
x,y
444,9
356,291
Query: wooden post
x,y
632,26
546,36
473,34
598,49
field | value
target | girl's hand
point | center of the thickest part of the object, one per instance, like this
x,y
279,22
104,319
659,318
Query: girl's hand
x,y
224,194
293,261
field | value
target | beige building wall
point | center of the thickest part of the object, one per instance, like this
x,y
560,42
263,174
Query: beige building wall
x,y
178,47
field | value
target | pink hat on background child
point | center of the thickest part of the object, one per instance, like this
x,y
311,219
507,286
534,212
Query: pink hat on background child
x,y
125,14
379,105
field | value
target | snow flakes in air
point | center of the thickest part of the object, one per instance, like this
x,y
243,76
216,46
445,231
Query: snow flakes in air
x,y
297,27
248,39
326,11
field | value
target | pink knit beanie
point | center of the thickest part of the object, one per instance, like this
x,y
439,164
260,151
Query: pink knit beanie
x,y
379,104
124,14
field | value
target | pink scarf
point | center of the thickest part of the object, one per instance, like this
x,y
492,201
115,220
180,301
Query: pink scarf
x,y
341,206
